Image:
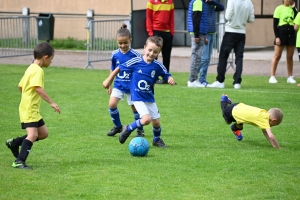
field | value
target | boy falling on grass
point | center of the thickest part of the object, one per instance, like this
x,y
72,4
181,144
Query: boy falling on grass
x,y
145,71
244,114
31,87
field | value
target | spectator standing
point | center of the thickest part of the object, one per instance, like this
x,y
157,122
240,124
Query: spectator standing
x,y
160,22
213,6
283,24
237,14
197,27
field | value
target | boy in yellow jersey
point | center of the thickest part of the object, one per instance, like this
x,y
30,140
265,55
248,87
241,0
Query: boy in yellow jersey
x,y
31,87
244,114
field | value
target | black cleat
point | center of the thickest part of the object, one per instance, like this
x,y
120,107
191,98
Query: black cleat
x,y
124,135
140,133
160,143
114,131
14,149
20,165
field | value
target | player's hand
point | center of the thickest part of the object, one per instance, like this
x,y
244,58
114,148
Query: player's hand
x,y
196,40
277,41
55,107
106,84
205,40
171,80
292,4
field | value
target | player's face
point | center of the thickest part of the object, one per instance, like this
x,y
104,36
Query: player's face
x,y
47,61
124,43
151,51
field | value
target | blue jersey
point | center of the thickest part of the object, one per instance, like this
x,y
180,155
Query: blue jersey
x,y
122,80
144,76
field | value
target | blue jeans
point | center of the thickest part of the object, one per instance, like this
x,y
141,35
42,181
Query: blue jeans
x,y
195,57
205,58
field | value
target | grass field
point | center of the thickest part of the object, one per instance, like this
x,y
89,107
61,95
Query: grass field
x,y
203,159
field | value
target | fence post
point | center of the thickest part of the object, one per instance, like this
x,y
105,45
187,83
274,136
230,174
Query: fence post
x,y
90,17
25,26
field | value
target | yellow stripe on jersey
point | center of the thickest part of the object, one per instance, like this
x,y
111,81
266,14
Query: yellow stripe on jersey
x,y
160,7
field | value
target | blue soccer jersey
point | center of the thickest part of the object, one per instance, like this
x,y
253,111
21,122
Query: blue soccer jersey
x,y
122,79
144,76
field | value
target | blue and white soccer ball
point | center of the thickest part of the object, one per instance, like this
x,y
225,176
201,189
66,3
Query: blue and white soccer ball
x,y
138,146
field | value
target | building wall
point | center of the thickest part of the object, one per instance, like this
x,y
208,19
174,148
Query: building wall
x,y
260,33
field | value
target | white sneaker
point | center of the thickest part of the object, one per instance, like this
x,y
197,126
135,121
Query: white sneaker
x,y
195,84
216,84
291,80
237,86
273,80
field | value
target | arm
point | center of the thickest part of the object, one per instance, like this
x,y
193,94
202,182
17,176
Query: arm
x,y
149,20
229,11
45,96
251,16
271,138
107,82
196,22
296,27
218,6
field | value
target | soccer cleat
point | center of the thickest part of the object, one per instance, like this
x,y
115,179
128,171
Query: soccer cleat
x,y
225,98
14,149
273,80
20,165
124,135
216,84
114,131
291,80
160,143
140,133
237,133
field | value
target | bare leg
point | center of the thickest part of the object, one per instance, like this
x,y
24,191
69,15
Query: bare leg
x,y
289,59
277,55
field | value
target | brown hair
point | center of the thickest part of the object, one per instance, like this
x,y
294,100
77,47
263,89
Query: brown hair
x,y
123,31
43,49
158,41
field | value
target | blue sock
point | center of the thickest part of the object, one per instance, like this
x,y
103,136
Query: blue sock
x,y
115,116
156,133
131,127
137,117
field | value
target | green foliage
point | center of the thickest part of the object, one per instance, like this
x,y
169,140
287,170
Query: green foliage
x,y
203,159
68,44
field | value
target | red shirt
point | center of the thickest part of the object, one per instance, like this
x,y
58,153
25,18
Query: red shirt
x,y
160,16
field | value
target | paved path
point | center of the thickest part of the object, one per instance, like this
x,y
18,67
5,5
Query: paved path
x,y
255,62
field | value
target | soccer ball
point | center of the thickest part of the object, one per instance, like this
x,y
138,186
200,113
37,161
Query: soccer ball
x,y
138,146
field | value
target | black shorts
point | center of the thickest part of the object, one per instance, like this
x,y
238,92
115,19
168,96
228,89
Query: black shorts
x,y
227,113
287,35
33,124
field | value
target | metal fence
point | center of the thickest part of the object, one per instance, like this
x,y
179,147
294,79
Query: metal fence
x,y
101,39
18,36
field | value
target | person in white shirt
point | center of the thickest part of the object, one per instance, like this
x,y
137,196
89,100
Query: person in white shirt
x,y
237,14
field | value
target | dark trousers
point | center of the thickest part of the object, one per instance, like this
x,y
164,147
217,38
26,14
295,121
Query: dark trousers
x,y
235,41
167,47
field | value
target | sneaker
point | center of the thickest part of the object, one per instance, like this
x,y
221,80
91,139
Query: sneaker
x,y
114,131
273,80
225,98
217,84
237,133
20,165
140,133
194,84
160,143
205,83
237,86
124,135
14,149
291,80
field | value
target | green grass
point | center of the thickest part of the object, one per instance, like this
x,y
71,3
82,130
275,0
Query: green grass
x,y
203,159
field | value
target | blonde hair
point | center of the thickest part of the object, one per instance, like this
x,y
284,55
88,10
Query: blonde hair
x,y
276,113
158,41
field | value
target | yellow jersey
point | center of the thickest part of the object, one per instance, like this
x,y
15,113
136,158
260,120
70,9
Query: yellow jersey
x,y
29,108
244,114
